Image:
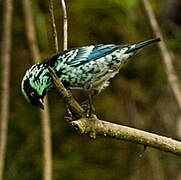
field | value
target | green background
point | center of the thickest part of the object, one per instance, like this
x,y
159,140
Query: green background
x,y
139,96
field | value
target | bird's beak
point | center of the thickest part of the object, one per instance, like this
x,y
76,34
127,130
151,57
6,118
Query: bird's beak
x,y
40,103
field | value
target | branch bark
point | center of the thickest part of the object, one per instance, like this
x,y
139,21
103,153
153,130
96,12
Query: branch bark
x,y
45,120
93,126
5,67
53,24
65,25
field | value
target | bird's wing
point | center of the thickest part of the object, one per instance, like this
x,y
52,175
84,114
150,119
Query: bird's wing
x,y
79,56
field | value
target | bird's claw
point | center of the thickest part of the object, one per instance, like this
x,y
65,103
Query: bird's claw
x,y
69,92
88,107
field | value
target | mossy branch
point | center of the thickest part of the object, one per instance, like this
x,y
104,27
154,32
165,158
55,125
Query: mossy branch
x,y
93,126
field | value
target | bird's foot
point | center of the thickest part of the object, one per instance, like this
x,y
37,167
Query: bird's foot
x,y
69,113
69,92
89,113
89,108
85,104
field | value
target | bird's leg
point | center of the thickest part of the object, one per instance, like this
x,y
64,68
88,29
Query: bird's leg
x,y
91,94
87,105
78,88
94,93
69,113
70,92
90,104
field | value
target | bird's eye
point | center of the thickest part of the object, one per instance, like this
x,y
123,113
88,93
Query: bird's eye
x,y
32,93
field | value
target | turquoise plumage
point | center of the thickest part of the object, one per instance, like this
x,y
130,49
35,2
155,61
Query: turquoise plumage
x,y
89,68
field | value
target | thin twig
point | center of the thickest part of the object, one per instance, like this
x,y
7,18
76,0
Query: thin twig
x,y
53,25
65,26
5,67
93,126
171,75
45,120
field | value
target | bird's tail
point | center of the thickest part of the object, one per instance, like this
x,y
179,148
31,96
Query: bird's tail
x,y
142,44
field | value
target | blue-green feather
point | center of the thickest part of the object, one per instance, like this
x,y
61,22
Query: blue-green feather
x,y
91,53
88,66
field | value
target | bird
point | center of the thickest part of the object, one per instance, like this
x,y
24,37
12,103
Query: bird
x,y
86,68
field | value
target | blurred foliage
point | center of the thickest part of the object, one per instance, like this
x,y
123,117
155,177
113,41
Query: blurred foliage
x,y
139,96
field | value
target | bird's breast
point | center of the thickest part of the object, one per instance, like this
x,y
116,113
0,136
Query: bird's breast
x,y
103,82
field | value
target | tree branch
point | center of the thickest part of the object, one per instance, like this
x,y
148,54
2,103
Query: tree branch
x,y
76,110
45,118
93,126
171,75
65,26
53,25
5,91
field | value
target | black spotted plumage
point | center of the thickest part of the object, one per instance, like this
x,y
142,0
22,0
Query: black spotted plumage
x,y
88,67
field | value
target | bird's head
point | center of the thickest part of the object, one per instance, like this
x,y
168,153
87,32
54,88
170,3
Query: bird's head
x,y
32,86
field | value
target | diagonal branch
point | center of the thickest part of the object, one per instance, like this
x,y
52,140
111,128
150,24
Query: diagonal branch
x,y
93,126
171,75
73,105
53,24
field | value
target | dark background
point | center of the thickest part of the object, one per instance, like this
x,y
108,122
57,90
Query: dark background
x,y
139,96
